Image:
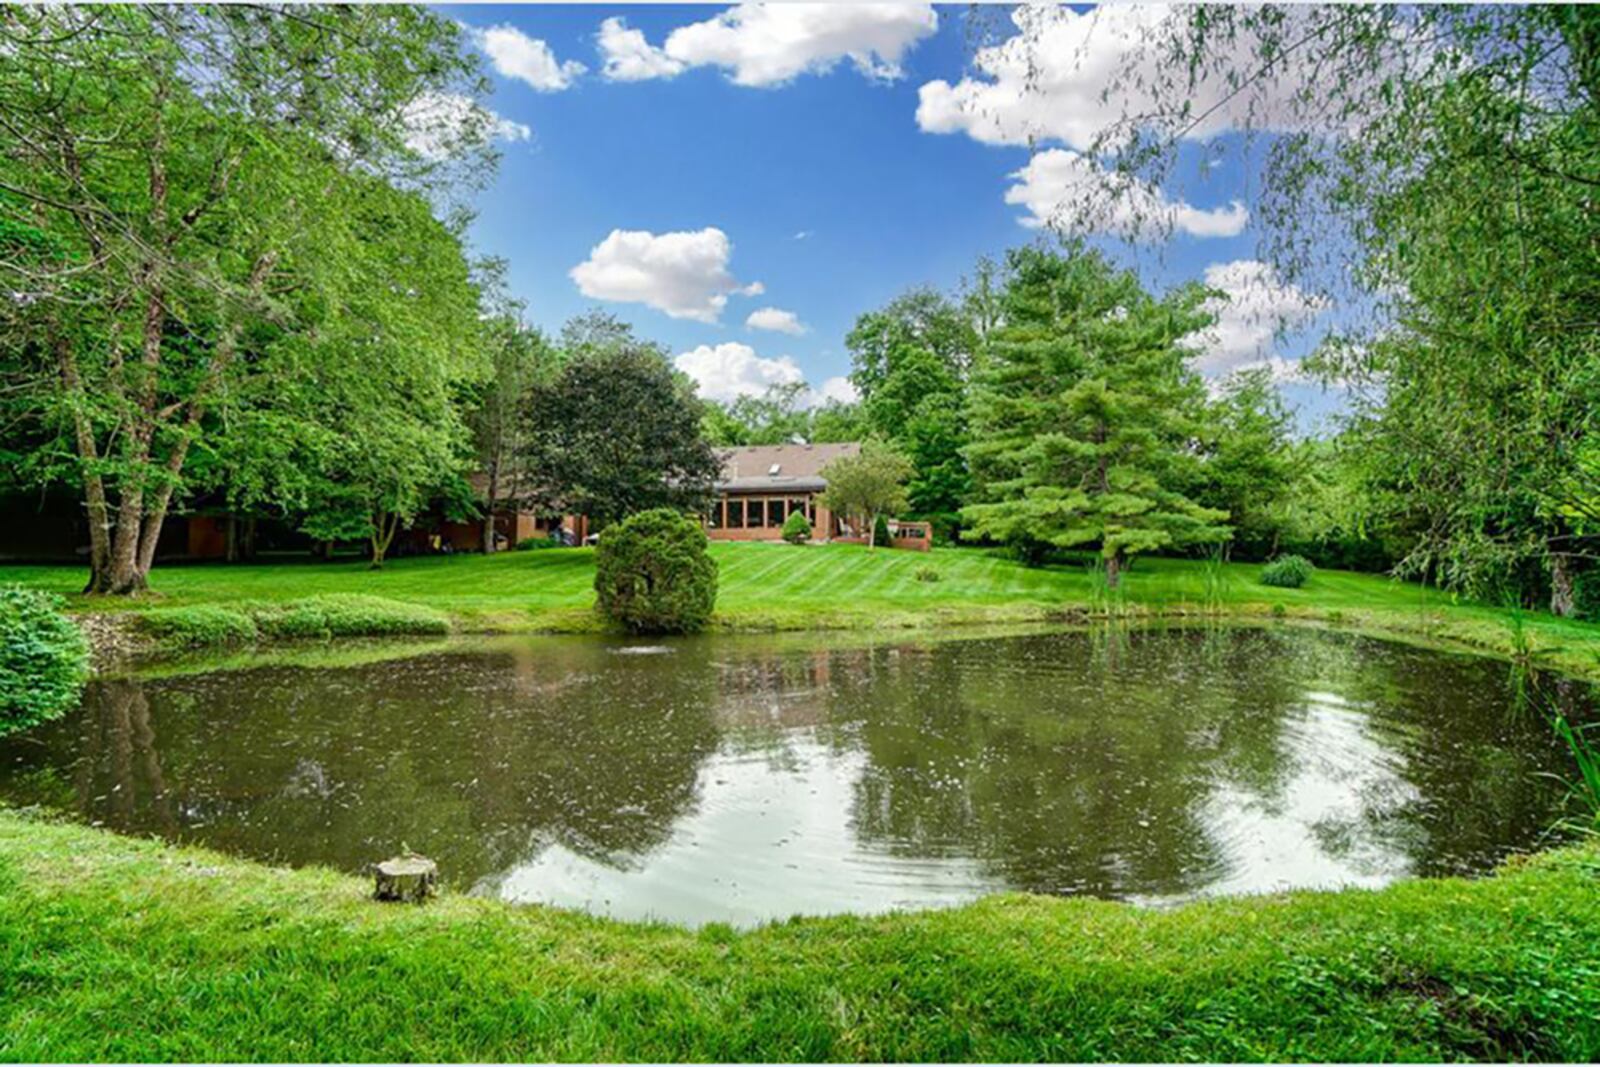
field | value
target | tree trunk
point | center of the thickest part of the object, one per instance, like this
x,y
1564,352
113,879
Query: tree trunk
x,y
383,531
1561,599
94,487
872,531
493,494
1114,569
231,538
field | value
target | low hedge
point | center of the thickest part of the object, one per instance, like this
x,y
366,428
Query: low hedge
x,y
200,626
325,616
348,615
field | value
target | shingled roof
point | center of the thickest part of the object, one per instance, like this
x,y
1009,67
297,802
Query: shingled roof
x,y
779,468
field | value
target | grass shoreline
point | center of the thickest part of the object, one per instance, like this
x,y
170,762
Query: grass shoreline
x,y
130,949
779,588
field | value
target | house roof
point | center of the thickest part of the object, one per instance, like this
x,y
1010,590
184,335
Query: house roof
x,y
779,468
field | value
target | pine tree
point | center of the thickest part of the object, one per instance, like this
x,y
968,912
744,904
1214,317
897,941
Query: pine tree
x,y
1083,414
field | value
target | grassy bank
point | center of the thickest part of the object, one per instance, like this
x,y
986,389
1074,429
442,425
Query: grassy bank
x,y
112,948
782,587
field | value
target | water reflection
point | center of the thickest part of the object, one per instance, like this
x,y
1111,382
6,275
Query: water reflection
x,y
745,779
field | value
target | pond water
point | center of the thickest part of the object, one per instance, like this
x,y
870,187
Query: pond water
x,y
740,780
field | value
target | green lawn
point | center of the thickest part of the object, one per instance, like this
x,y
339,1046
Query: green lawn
x,y
782,587
112,948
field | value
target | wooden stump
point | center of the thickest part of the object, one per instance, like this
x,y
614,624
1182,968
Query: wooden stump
x,y
409,877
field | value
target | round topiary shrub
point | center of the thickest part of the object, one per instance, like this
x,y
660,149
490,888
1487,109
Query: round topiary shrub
x,y
1287,572
652,574
797,528
44,659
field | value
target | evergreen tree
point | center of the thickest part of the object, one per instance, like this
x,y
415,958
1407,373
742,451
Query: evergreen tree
x,y
1082,414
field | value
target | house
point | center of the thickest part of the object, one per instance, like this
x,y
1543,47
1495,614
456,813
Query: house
x,y
762,485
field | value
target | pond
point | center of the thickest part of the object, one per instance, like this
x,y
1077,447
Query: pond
x,y
747,779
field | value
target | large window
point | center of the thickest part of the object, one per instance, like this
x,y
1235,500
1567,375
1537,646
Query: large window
x,y
774,513
735,513
755,513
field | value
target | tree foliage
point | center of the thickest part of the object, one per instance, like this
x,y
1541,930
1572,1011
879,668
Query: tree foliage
x,y
616,431
869,485
177,185
1435,166
910,361
1084,414
782,414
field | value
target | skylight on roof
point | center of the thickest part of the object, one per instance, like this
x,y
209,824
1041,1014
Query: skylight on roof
x,y
772,471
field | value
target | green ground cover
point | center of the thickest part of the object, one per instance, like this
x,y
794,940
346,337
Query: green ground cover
x,y
786,587
121,949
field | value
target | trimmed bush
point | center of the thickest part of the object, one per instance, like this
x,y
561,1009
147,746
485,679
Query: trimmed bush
x,y
926,574
880,532
44,659
797,528
1287,572
201,626
653,575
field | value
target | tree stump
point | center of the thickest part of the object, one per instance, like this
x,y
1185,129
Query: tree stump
x,y
409,877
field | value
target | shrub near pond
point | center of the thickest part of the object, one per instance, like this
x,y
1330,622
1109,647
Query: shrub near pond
x,y
201,626
44,659
653,575
329,615
348,615
1287,572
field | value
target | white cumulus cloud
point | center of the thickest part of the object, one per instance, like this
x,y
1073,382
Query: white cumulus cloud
x,y
1060,186
528,59
769,44
1049,81
728,371
682,274
628,57
1252,308
439,124
777,320
839,390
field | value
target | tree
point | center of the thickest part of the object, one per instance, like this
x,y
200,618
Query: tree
x,y
1440,174
615,432
1083,414
653,575
519,358
782,414
1249,465
910,360
870,484
172,173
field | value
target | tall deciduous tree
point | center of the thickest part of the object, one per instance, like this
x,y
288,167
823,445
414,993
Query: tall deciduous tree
x,y
1083,414
910,362
518,359
177,165
616,431
868,485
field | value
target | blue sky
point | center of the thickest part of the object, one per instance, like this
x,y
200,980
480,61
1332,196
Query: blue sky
x,y
827,188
